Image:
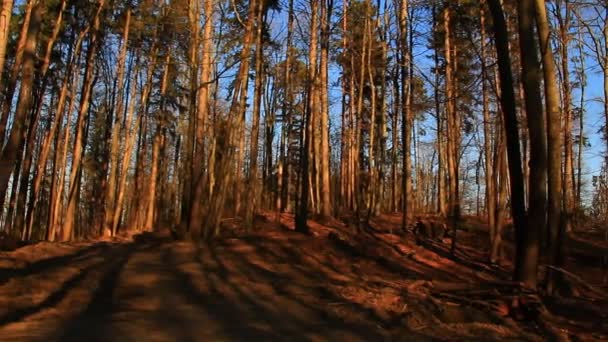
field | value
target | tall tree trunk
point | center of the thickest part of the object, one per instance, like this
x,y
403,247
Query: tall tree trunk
x,y
526,262
269,193
116,129
359,145
227,134
500,202
283,203
195,219
326,12
61,165
531,78
54,191
9,152
406,121
310,115
50,135
554,144
381,190
441,182
243,90
189,143
581,132
605,71
87,87
159,141
26,168
6,11
395,139
373,127
490,193
12,203
564,22
131,134
453,127
253,187
16,67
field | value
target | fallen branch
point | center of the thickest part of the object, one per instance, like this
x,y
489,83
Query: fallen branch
x,y
482,287
578,279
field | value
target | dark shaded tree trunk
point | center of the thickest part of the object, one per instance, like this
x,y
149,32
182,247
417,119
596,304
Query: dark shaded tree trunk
x,y
24,105
526,261
554,148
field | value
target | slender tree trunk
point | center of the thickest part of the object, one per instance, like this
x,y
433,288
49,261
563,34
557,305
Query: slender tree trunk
x,y
226,136
54,191
16,67
159,140
310,115
195,219
283,203
441,181
137,195
382,187
373,127
531,78
581,132
189,143
9,152
605,71
118,120
50,136
131,135
71,212
395,139
6,11
500,202
490,193
406,121
554,144
564,21
150,208
326,12
452,128
359,144
353,138
12,203
61,166
253,188
26,170
269,193
526,261
242,98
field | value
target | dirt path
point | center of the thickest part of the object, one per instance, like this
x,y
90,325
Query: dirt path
x,y
130,292
153,292
272,285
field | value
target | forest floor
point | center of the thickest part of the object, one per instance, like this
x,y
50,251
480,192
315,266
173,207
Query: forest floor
x,y
276,284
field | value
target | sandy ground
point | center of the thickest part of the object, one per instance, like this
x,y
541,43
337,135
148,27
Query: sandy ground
x,y
274,284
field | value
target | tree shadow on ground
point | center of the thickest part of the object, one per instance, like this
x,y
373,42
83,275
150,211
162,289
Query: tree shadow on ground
x,y
50,263
271,286
255,302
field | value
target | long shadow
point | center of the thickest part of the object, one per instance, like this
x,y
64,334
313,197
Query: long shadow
x,y
289,324
90,323
231,312
232,299
230,315
592,317
238,310
44,265
395,266
476,266
398,267
55,297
